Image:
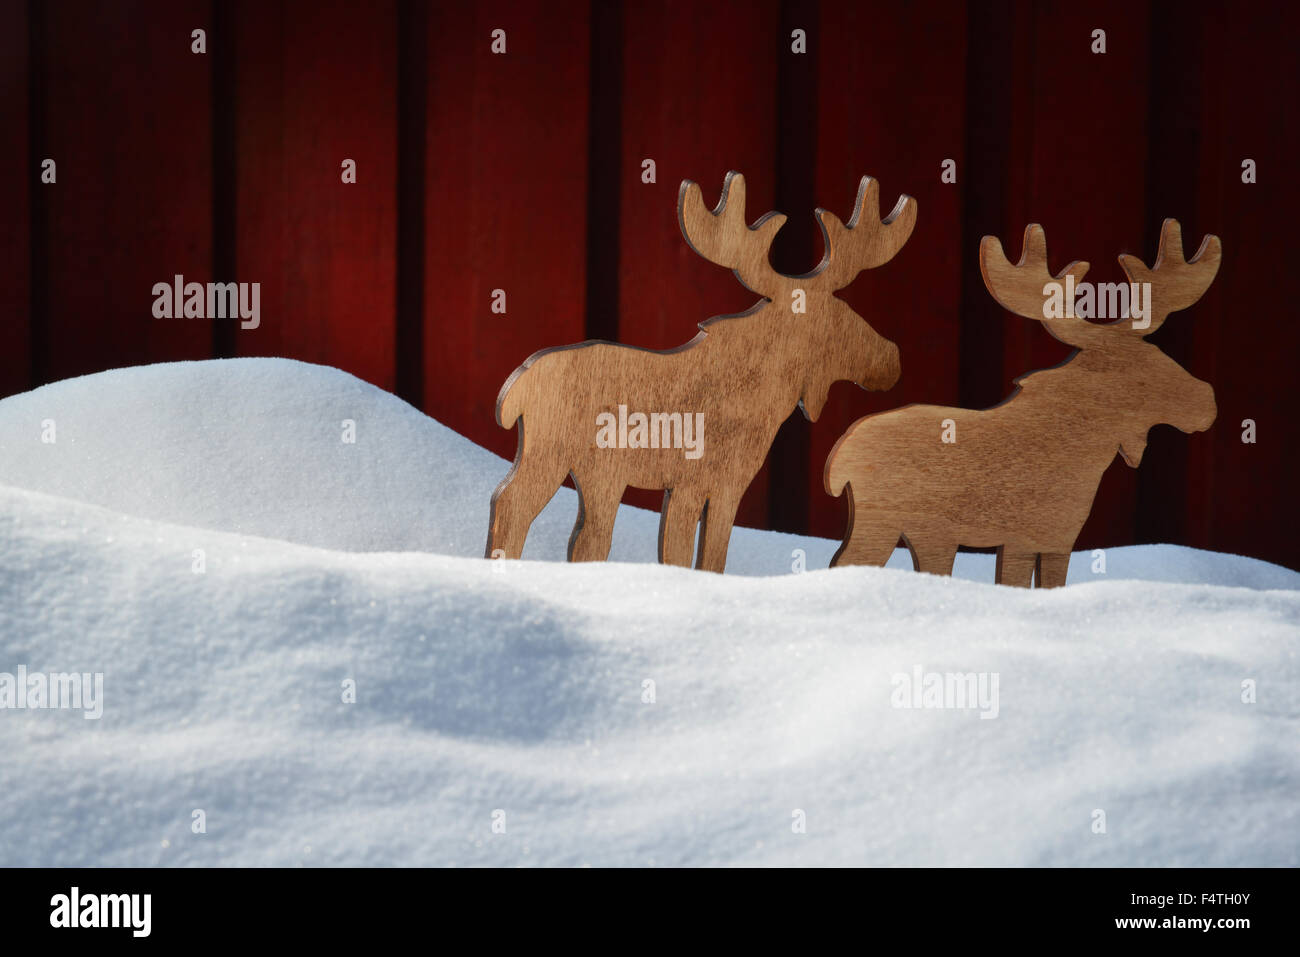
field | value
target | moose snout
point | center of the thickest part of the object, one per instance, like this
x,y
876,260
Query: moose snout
x,y
884,369
1206,408
1196,408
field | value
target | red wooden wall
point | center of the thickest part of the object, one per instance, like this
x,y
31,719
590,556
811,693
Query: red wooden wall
x,y
522,172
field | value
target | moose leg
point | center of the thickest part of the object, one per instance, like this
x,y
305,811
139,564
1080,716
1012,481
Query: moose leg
x,y
935,558
1015,568
681,514
515,504
716,535
594,529
866,542
872,546
1052,569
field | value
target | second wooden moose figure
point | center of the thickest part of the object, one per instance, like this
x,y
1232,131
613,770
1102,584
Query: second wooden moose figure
x,y
1022,475
698,421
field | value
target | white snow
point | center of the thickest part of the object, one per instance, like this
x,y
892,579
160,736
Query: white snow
x,y
520,687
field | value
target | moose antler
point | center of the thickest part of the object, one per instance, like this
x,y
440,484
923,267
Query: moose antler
x,y
721,236
1022,288
1176,282
864,243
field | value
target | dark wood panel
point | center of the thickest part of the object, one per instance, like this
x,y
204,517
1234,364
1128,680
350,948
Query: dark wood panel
x,y
17,179
1085,180
699,98
1241,337
1178,60
877,117
317,84
505,197
523,172
127,122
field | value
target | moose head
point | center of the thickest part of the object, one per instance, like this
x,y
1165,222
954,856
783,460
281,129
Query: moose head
x,y
1142,386
832,341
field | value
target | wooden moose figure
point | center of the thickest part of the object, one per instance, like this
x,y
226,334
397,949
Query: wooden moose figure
x,y
696,421
1022,475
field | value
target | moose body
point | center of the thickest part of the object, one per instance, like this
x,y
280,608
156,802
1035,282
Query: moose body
x,y
741,377
1022,475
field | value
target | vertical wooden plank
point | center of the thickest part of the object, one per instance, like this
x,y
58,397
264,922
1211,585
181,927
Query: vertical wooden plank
x,y
127,121
223,40
1086,184
894,112
605,171
17,178
1178,71
317,84
998,91
798,55
412,156
1240,337
505,198
699,98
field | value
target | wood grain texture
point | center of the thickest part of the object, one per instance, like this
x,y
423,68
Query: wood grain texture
x,y
505,194
697,108
729,388
323,250
125,108
916,302
1022,475
18,178
127,122
1241,498
1101,199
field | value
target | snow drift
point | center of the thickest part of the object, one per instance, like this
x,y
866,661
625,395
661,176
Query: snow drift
x,y
200,535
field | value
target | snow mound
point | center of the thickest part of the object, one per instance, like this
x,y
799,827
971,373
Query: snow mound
x,y
521,688
195,537
252,446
